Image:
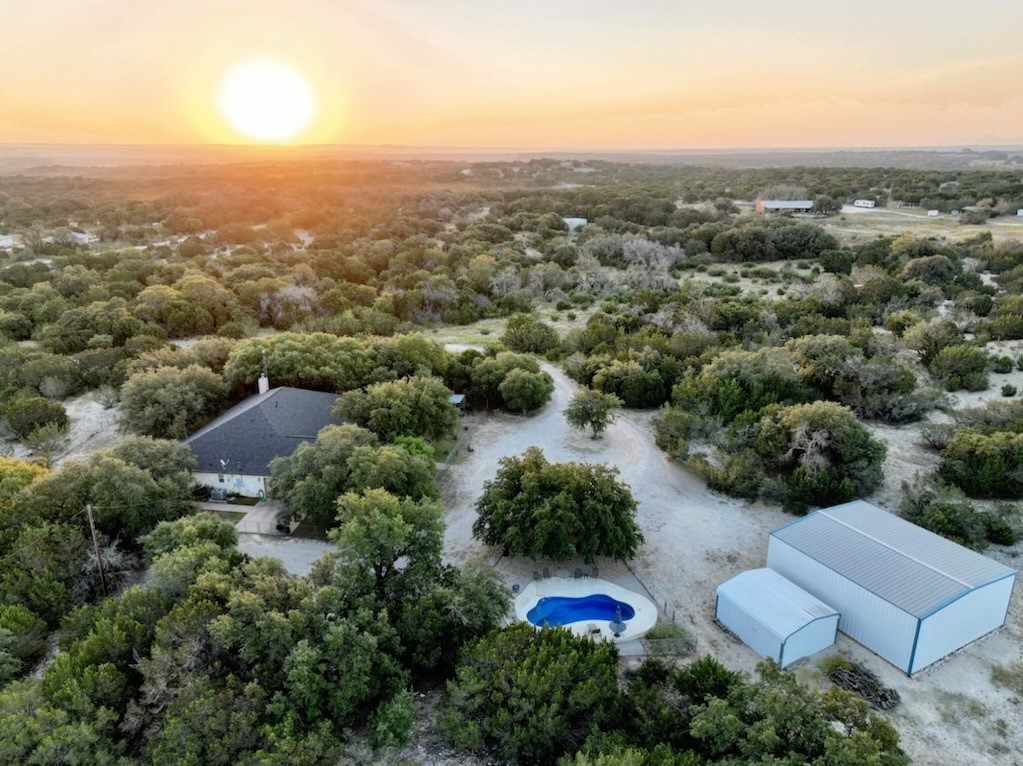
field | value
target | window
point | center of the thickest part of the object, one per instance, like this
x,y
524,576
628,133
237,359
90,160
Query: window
x,y
220,478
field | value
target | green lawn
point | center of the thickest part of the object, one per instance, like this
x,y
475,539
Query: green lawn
x,y
232,517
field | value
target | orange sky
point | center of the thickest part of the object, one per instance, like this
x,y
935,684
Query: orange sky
x,y
557,73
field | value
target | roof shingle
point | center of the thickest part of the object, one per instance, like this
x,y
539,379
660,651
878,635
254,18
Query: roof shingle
x,y
252,433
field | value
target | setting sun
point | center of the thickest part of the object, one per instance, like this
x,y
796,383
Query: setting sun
x,y
267,101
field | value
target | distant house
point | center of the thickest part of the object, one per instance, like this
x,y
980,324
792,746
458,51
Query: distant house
x,y
863,203
575,223
235,450
935,213
458,400
784,205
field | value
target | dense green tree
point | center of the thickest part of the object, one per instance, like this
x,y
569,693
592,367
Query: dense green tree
x,y
308,482
23,642
488,374
631,382
819,454
381,537
168,536
407,407
529,696
948,514
526,333
592,409
315,360
523,391
392,468
740,381
27,415
169,401
557,510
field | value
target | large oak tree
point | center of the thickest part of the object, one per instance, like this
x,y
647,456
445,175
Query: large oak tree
x,y
557,510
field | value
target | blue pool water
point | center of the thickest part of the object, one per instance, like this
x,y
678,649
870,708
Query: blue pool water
x,y
561,610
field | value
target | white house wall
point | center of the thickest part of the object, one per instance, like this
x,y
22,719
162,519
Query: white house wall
x,y
810,639
962,621
753,633
880,626
249,486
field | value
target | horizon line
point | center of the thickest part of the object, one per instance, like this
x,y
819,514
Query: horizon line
x,y
520,149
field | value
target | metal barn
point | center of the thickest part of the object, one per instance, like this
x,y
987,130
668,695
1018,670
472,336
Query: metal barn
x,y
903,592
774,617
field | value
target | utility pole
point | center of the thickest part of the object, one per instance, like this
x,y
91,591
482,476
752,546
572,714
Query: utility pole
x,y
95,547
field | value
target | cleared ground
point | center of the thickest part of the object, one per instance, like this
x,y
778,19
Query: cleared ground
x,y
695,539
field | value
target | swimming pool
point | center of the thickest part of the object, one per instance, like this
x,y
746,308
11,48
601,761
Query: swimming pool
x,y
586,606
563,610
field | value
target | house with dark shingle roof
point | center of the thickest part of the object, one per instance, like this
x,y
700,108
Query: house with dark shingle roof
x,y
235,450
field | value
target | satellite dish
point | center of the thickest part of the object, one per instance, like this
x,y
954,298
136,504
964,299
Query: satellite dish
x,y
223,463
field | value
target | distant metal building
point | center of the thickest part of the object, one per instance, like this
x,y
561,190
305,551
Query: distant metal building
x,y
905,593
775,617
863,203
784,205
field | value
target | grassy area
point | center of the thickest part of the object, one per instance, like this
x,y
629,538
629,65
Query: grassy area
x,y
239,500
232,517
1009,677
668,639
310,532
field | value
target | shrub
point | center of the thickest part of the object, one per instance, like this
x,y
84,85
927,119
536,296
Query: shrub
x,y
1002,364
529,695
27,642
1008,390
526,333
28,414
955,518
960,367
984,465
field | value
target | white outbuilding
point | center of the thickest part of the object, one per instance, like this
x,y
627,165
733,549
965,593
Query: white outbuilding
x,y
775,617
907,594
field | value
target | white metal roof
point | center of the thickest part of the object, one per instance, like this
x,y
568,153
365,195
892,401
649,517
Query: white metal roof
x,y
776,603
906,565
787,203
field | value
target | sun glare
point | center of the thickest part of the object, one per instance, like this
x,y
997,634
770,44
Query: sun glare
x,y
267,101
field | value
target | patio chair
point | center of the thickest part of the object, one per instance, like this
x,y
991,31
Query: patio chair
x,y
578,572
596,572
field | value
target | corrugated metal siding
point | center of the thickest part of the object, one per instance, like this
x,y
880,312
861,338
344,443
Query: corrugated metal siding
x,y
754,634
810,639
769,612
957,624
865,617
911,568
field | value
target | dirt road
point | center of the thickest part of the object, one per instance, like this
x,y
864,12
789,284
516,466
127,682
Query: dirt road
x,y
694,538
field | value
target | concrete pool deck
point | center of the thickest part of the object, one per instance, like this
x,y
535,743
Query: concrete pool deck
x,y
636,627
